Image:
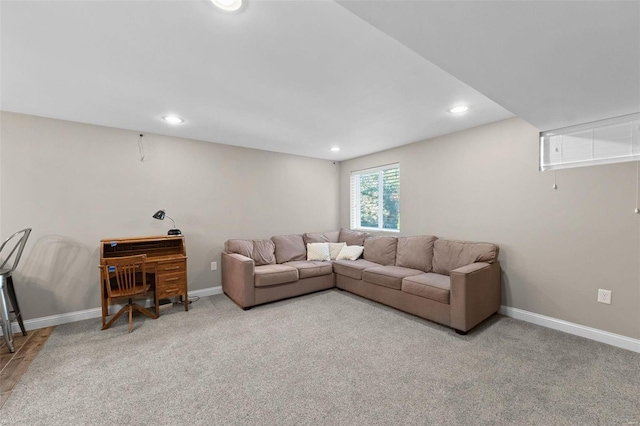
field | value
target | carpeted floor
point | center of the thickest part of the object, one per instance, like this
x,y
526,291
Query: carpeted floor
x,y
324,358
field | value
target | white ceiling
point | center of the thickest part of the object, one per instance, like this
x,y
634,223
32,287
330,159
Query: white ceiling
x,y
553,63
302,76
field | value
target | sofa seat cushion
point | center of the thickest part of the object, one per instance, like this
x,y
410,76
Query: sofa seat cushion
x,y
389,276
430,286
267,275
352,268
311,268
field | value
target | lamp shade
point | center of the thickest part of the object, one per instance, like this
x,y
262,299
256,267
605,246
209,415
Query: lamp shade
x,y
159,215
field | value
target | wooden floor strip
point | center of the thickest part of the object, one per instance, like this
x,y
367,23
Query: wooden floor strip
x,y
14,365
18,341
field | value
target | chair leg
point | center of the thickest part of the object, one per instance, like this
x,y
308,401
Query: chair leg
x,y
144,311
114,318
130,317
130,307
14,302
5,322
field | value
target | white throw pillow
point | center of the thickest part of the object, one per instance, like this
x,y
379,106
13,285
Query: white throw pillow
x,y
350,253
334,249
318,251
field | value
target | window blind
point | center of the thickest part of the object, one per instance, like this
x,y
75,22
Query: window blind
x,y
607,141
375,198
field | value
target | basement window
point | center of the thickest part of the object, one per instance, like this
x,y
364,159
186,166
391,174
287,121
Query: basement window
x,y
615,140
375,198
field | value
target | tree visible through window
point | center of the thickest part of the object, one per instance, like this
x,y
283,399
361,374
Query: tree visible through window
x,y
375,198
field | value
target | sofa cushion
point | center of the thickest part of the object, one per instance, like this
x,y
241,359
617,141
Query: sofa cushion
x,y
415,252
263,252
388,276
352,268
430,286
308,269
318,251
267,275
381,250
289,248
243,247
334,249
449,254
350,253
321,237
352,238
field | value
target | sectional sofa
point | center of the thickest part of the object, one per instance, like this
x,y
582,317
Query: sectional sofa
x,y
454,283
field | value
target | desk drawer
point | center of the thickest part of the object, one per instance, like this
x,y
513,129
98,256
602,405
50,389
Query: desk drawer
x,y
171,284
169,267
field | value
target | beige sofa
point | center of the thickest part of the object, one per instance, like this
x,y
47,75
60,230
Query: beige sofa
x,y
455,283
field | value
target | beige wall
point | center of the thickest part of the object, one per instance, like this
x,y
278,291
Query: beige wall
x,y
557,247
75,184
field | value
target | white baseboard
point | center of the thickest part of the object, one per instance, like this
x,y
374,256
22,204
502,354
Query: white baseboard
x,y
545,321
52,320
571,328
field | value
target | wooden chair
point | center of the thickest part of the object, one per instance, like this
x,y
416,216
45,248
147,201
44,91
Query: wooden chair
x,y
125,277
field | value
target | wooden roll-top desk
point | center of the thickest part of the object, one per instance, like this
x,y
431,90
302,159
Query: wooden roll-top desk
x,y
166,259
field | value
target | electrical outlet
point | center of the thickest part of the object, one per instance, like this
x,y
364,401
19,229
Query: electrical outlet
x,y
214,266
604,296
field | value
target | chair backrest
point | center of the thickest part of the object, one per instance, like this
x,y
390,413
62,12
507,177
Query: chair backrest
x,y
18,241
125,276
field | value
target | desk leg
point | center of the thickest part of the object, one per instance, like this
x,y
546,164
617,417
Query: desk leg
x,y
105,303
155,296
186,302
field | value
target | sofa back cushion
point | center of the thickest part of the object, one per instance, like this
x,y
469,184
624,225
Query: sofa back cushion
x,y
415,252
352,238
449,255
381,250
264,252
289,248
243,247
321,237
261,251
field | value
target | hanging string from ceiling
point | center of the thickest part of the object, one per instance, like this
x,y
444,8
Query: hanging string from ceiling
x,y
637,210
141,148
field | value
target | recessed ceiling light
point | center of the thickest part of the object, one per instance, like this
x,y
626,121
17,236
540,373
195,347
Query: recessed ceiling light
x,y
335,149
172,119
228,5
459,109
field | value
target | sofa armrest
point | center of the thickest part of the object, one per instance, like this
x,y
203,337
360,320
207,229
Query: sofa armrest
x,y
237,278
475,294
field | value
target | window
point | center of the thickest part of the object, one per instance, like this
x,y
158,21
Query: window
x,y
375,198
607,141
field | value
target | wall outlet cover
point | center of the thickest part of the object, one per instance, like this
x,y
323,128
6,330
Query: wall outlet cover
x,y
604,296
214,266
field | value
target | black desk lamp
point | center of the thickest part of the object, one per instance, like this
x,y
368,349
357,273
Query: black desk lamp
x,y
160,215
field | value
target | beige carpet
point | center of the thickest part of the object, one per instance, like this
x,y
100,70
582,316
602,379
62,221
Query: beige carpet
x,y
324,358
